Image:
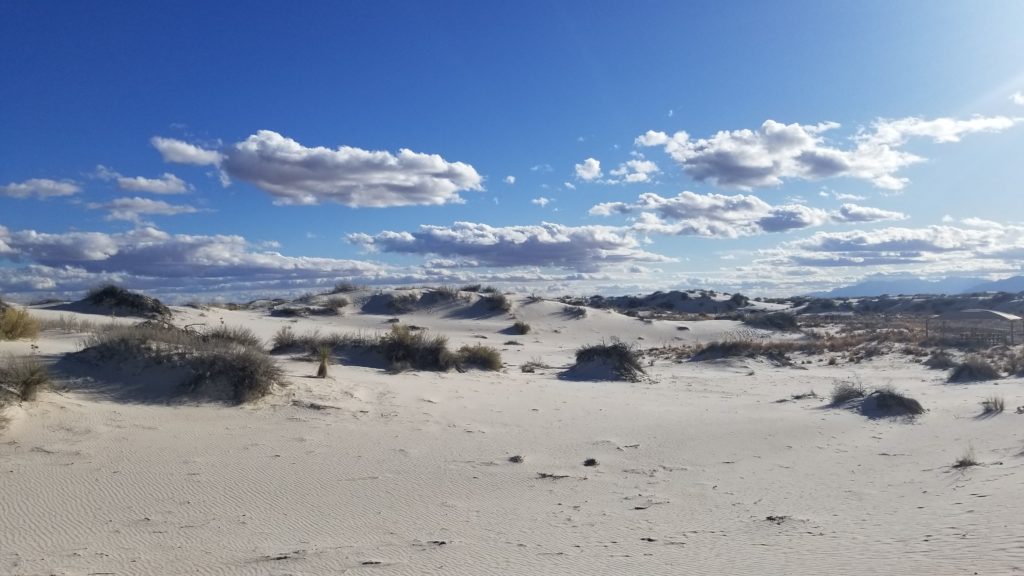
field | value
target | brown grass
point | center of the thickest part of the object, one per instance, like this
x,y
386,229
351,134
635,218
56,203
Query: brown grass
x,y
17,323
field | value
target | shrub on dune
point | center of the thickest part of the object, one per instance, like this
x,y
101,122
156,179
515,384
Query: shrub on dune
x,y
21,379
237,334
417,350
119,300
246,374
781,321
480,356
17,323
497,301
974,369
843,392
521,327
621,359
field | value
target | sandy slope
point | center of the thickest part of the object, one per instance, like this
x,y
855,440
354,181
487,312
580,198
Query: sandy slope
x,y
372,473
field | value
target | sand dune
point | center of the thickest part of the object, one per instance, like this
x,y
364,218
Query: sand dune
x,y
700,469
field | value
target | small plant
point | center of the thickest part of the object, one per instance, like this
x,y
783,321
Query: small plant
x,y
21,379
966,461
489,290
240,335
521,327
843,392
574,311
324,354
403,303
284,339
480,356
17,323
470,288
344,287
974,369
336,303
622,359
496,301
940,360
417,350
532,366
590,462
993,405
887,402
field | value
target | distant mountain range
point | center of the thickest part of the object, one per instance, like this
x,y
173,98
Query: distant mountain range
x,y
920,286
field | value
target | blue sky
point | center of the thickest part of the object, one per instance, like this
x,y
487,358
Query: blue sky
x,y
211,148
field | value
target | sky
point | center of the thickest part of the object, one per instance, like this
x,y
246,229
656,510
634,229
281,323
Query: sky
x,y
226,150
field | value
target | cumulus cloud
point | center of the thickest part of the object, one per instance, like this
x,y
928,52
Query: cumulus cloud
x,y
1017,98
542,201
582,248
132,209
510,179
178,152
635,170
589,170
776,152
167,183
40,188
296,174
719,215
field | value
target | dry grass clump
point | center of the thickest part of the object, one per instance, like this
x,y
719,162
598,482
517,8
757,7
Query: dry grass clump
x,y
967,460
974,369
69,324
940,360
521,327
993,405
496,300
404,348
17,323
480,356
780,321
121,301
336,303
574,311
286,340
344,287
843,392
489,290
470,288
624,360
402,303
532,366
324,355
227,363
21,379
775,351
888,402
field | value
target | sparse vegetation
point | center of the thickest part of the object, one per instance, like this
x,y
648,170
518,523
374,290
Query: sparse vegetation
x,y
21,379
489,290
344,287
974,369
532,366
480,356
574,311
843,392
470,288
780,321
521,327
17,323
496,300
324,354
993,405
416,350
622,359
336,303
967,460
69,324
121,301
886,402
403,303
940,360
241,335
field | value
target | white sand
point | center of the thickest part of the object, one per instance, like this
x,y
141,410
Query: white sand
x,y
410,472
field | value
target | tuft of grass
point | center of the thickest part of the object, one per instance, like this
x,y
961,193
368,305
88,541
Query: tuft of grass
x,y
496,301
624,360
574,311
246,373
324,355
417,350
17,323
531,366
470,288
120,300
336,302
489,290
22,378
967,460
888,402
974,369
843,392
480,356
69,324
521,327
403,303
240,335
993,405
940,360
344,287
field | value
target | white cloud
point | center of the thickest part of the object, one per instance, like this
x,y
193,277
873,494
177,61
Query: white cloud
x,y
777,152
542,201
718,215
132,209
296,174
40,188
166,184
589,170
179,152
1017,98
582,248
635,170
541,168
569,185
510,179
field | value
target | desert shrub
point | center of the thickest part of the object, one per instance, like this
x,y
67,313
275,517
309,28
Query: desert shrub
x,y
624,360
450,293
120,300
967,460
284,339
470,288
336,302
781,321
532,366
940,360
489,290
70,324
843,392
775,351
974,369
238,334
246,374
17,323
574,311
402,303
993,405
324,355
344,287
21,379
480,356
739,300
417,350
888,402
521,327
497,301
